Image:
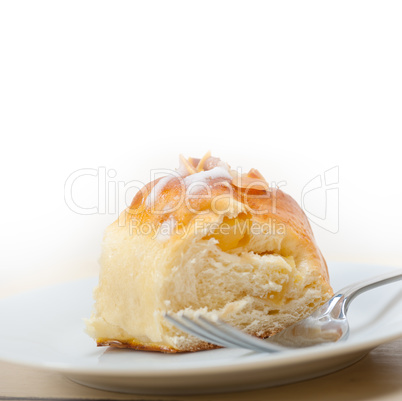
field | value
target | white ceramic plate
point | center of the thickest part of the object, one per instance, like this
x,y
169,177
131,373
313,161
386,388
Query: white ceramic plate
x,y
45,329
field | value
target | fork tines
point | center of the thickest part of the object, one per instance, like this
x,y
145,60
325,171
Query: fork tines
x,y
215,331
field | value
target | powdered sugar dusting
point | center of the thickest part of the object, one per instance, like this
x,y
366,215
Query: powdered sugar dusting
x,y
156,190
166,229
205,176
201,178
182,170
211,162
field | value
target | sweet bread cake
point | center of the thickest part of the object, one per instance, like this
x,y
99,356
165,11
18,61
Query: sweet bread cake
x,y
206,238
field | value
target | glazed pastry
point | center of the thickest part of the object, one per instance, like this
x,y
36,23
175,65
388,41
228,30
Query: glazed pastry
x,y
206,238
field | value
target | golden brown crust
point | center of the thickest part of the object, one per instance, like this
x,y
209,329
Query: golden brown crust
x,y
136,345
263,205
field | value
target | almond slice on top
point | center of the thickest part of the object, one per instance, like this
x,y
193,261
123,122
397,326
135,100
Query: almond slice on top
x,y
244,181
187,165
201,162
254,173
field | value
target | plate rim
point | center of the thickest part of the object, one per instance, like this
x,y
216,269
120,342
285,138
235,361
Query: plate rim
x,y
300,357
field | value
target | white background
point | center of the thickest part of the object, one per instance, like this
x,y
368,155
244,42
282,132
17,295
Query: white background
x,y
291,88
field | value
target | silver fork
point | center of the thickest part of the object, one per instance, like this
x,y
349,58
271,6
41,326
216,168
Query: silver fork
x,y
327,324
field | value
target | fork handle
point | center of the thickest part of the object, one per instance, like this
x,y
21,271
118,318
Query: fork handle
x,y
351,292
